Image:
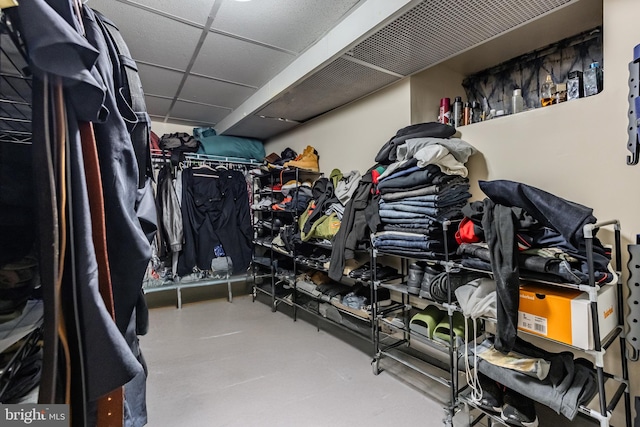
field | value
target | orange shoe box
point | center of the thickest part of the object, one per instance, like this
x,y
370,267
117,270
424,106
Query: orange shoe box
x,y
564,315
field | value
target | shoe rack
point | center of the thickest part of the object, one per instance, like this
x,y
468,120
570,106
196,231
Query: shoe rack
x,y
395,341
308,258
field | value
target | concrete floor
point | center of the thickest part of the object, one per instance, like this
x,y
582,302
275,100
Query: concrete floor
x,y
215,363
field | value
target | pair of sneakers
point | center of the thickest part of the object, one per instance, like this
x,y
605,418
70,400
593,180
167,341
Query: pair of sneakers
x,y
514,408
419,279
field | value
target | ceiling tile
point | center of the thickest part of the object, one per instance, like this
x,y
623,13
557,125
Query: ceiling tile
x,y
198,10
292,24
159,81
239,61
150,37
338,83
259,128
215,92
198,112
157,106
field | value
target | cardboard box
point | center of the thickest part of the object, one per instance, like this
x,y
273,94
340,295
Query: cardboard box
x,y
564,315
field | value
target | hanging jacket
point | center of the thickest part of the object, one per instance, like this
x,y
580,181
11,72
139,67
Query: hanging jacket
x,y
359,220
170,215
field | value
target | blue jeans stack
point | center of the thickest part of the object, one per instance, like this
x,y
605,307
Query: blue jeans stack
x,y
413,204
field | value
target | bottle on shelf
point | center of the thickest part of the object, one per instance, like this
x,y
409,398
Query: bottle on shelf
x,y
466,120
517,102
592,79
575,89
561,92
547,91
457,112
445,111
476,112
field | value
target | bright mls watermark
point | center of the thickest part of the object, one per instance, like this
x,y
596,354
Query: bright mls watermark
x,y
31,414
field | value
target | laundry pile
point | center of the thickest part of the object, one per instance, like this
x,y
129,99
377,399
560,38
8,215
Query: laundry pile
x,y
423,184
522,231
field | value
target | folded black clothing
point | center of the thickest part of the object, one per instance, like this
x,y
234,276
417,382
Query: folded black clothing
x,y
387,153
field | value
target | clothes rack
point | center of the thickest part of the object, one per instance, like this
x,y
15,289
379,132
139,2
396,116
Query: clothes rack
x,y
161,158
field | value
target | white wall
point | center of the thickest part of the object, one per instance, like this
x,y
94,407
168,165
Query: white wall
x,y
349,137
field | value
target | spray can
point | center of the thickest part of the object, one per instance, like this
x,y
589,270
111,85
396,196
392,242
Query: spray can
x,y
466,120
457,112
444,116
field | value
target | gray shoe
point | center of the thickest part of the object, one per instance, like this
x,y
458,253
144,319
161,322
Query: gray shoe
x,y
425,285
416,272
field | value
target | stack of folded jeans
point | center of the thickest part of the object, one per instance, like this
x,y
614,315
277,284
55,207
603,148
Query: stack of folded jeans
x,y
414,202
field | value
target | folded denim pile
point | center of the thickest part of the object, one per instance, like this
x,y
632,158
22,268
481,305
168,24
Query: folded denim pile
x,y
413,204
424,184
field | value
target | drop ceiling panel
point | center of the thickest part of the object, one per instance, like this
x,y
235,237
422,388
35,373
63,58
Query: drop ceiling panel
x,y
292,24
436,30
338,83
198,112
152,38
197,12
159,81
157,106
239,61
215,92
259,128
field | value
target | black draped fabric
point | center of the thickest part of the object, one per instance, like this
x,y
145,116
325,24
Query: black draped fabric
x,y
216,219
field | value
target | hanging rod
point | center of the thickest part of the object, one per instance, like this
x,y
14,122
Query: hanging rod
x,y
9,101
14,119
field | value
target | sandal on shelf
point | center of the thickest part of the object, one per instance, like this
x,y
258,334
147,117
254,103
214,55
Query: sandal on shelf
x,y
425,322
441,331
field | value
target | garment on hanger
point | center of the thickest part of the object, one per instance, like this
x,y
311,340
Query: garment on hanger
x,y
216,219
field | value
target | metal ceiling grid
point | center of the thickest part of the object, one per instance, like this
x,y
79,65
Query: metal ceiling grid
x,y
198,112
434,30
214,92
152,38
157,106
238,61
336,84
158,81
197,10
286,24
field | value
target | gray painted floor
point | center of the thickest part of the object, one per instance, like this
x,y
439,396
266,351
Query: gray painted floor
x,y
215,363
